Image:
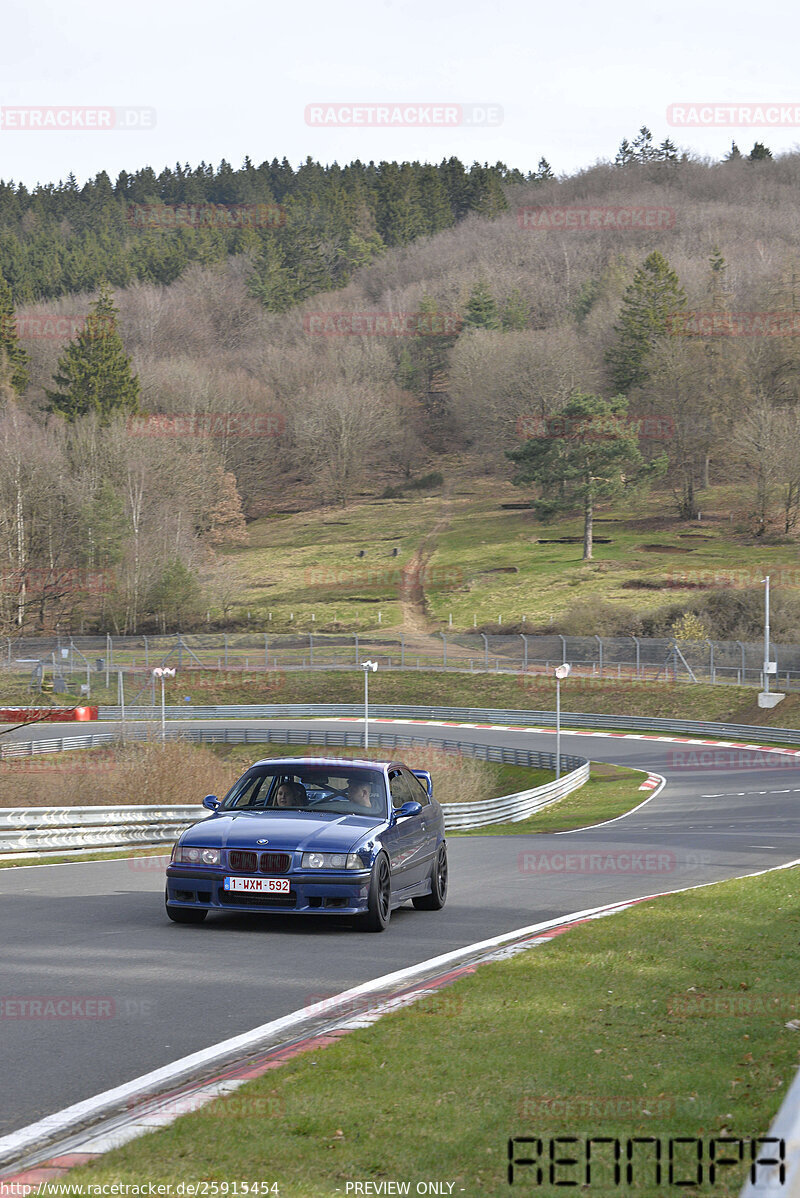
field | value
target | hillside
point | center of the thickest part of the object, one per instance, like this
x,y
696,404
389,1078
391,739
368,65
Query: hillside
x,y
511,319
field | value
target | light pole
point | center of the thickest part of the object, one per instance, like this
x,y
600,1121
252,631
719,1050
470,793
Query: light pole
x,y
766,635
765,697
163,672
366,667
561,671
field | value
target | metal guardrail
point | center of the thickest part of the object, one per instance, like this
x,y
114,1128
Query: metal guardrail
x,y
479,715
25,829
513,808
117,836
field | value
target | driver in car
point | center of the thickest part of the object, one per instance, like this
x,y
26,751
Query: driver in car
x,y
359,792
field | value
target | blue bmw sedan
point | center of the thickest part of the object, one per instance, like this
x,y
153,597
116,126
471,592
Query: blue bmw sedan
x,y
314,836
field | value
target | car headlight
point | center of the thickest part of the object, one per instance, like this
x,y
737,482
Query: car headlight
x,y
197,856
332,861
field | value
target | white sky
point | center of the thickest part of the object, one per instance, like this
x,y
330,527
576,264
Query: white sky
x,y
228,79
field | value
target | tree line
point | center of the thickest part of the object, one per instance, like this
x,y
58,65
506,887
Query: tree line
x,y
304,230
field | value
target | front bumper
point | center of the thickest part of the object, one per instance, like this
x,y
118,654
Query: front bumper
x,y
342,893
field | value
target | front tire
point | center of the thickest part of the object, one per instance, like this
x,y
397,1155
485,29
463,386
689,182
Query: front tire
x,y
379,901
438,895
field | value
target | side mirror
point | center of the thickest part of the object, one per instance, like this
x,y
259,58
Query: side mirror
x,y
409,808
211,802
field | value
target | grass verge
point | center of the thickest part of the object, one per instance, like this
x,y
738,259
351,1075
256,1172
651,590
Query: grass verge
x,y
525,692
100,855
611,791
667,1020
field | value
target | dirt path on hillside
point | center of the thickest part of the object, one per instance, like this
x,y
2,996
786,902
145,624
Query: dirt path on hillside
x,y
412,583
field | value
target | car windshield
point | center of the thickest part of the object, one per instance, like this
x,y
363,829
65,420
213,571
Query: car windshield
x,y
308,787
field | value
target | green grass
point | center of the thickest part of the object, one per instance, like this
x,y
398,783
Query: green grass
x,y
101,855
531,692
622,1026
487,561
611,791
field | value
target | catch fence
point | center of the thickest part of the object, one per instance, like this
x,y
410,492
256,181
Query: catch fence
x,y
72,664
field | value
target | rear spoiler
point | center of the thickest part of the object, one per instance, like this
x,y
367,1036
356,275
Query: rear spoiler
x,y
424,776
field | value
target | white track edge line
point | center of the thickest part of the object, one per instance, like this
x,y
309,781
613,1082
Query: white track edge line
x,y
590,827
63,1120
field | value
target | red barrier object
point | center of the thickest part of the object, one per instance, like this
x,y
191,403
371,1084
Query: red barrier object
x,y
27,715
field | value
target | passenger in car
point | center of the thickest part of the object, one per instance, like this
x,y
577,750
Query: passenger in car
x,y
285,795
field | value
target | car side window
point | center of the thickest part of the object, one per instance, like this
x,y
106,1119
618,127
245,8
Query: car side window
x,y
398,788
417,788
250,791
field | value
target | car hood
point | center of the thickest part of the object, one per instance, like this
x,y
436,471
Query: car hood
x,y
286,830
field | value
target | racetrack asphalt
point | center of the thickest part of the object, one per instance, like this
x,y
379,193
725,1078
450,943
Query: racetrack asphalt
x,y
97,930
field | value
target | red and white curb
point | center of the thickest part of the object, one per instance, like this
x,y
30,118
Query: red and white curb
x,y
79,1133
565,731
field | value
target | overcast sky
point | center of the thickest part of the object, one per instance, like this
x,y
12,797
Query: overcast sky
x,y
224,80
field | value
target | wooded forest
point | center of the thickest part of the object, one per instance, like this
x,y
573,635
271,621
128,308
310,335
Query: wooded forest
x,y
133,312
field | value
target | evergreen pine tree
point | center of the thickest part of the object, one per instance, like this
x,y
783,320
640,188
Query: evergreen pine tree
x,y
591,453
13,358
516,314
733,153
642,148
94,373
481,310
425,358
269,280
103,527
175,598
759,152
544,172
648,307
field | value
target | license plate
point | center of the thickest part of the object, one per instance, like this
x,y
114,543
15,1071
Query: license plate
x,y
259,885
